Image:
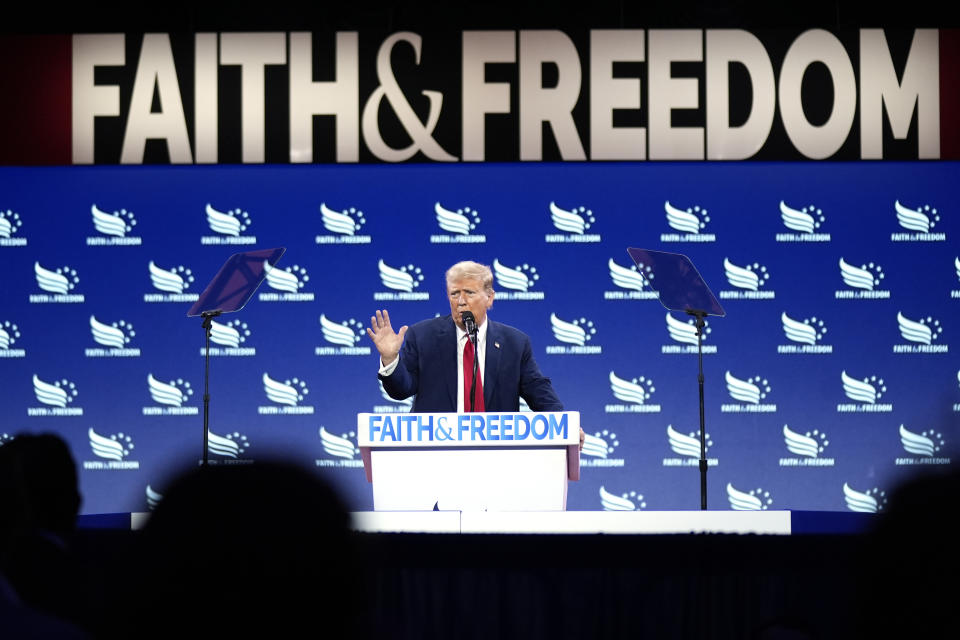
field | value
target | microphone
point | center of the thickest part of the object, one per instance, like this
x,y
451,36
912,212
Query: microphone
x,y
469,322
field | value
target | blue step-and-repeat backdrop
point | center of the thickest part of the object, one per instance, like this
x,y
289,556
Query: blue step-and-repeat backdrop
x,y
830,379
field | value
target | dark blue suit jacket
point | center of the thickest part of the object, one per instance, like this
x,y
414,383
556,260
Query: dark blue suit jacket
x,y
428,369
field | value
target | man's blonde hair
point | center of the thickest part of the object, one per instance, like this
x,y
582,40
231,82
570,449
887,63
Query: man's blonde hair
x,y
472,270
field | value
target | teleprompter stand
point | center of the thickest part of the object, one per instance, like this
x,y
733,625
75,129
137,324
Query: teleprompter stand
x,y
681,288
229,291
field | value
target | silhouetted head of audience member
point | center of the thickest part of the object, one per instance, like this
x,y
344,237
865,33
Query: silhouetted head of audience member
x,y
910,559
39,501
38,486
263,547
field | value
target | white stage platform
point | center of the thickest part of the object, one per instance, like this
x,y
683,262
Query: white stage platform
x,y
578,522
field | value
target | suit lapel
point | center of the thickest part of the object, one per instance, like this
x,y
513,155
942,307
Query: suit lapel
x,y
448,338
491,363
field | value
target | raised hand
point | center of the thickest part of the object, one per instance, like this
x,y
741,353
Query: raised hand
x,y
384,337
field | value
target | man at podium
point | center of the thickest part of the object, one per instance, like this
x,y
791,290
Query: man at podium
x,y
434,359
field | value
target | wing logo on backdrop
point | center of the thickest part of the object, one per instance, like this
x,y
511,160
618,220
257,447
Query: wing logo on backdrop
x,y
807,448
754,500
748,280
863,282
347,335
343,226
633,282
634,395
598,449
10,224
9,334
288,282
229,448
230,335
690,221
116,337
628,501
750,392
401,281
171,397
173,283
575,222
286,397
685,332
395,406
686,446
805,222
956,405
58,283
514,283
341,448
114,449
922,334
229,227
806,334
865,392
56,396
925,446
955,293
113,228
153,498
921,222
459,226
871,501
575,335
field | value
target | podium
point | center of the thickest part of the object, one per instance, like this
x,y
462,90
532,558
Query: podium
x,y
470,461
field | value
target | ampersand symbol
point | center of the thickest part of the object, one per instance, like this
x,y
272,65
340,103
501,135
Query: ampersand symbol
x,y
443,433
420,133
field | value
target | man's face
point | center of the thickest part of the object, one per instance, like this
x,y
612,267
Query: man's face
x,y
468,294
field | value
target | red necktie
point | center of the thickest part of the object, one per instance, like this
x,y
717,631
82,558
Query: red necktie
x,y
468,379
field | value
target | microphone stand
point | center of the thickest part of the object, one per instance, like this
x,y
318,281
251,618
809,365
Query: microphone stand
x,y
700,315
207,325
470,324
476,369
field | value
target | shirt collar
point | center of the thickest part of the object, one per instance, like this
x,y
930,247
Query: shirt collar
x,y
481,333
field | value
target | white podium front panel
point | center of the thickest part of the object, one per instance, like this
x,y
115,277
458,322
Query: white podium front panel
x,y
469,479
470,461
521,429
